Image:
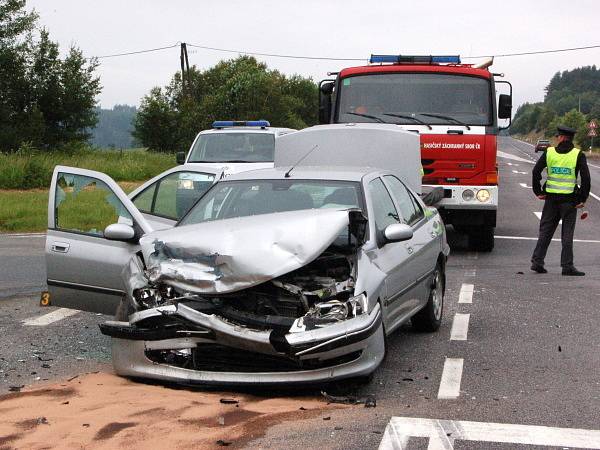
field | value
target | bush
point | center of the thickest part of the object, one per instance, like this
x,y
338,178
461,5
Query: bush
x,y
30,169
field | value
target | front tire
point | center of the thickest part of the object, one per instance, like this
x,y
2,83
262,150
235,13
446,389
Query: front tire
x,y
429,318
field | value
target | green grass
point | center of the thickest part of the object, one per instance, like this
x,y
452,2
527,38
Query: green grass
x,y
34,170
27,211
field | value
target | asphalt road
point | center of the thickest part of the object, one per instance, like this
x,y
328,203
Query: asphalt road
x,y
528,353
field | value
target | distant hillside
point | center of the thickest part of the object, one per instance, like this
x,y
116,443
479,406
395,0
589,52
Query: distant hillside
x,y
114,127
572,98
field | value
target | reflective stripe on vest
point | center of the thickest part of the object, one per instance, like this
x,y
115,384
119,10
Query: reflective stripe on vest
x,y
561,171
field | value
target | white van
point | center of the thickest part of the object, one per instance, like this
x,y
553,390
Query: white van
x,y
234,146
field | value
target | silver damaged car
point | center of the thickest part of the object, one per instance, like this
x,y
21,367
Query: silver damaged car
x,y
273,276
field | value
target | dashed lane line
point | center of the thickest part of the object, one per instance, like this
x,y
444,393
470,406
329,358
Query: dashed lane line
x,y
466,293
525,238
460,327
443,433
51,317
595,196
451,377
519,172
524,185
502,154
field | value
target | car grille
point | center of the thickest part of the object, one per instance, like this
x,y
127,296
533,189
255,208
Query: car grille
x,y
220,358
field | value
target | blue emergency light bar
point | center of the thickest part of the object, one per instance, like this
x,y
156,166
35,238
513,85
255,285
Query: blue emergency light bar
x,y
415,59
241,123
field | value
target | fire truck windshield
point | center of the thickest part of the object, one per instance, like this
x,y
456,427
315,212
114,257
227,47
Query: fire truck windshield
x,y
430,98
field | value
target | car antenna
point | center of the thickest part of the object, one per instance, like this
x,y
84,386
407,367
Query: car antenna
x,y
287,174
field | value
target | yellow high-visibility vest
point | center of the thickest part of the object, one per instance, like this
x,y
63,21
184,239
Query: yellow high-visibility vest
x,y
561,171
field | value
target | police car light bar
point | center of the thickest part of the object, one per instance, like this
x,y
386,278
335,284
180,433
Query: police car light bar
x,y
415,59
241,123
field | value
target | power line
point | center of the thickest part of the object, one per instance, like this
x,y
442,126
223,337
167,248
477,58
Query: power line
x,y
276,55
539,52
137,52
326,58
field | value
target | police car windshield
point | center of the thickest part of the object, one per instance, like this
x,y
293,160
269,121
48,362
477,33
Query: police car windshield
x,y
445,99
233,147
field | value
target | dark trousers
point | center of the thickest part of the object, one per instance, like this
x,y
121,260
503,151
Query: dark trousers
x,y
554,211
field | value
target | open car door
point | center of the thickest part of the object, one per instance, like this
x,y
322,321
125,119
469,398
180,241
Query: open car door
x,y
93,231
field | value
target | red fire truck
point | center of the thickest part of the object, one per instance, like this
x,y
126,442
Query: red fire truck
x,y
455,110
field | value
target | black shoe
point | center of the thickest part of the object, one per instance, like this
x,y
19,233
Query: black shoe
x,y
539,269
572,272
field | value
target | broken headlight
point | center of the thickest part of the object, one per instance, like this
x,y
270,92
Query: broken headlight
x,y
153,297
332,311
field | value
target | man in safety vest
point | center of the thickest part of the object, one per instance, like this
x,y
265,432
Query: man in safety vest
x,y
564,163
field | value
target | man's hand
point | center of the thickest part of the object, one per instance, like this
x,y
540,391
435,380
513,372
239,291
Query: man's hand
x,y
580,205
541,197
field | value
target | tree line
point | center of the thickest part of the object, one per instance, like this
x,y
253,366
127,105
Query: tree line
x,y
572,98
169,118
45,101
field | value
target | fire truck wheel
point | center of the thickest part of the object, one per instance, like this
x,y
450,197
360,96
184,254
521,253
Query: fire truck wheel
x,y
481,239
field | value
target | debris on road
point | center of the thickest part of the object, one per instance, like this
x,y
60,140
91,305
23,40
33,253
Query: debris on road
x,y
229,401
369,401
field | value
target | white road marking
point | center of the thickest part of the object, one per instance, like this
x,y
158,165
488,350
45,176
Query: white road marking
x,y
451,376
519,172
460,327
524,238
595,196
466,293
51,317
443,433
513,164
471,273
524,185
594,165
538,214
513,157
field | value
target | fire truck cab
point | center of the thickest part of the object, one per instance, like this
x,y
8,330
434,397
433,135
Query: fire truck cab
x,y
454,109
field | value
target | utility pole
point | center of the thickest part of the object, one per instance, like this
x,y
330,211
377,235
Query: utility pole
x,y
185,69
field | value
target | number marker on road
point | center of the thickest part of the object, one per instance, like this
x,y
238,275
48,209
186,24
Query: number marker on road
x,y
451,376
460,327
466,293
49,318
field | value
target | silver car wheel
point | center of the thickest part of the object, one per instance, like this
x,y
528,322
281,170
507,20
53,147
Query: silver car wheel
x,y
437,295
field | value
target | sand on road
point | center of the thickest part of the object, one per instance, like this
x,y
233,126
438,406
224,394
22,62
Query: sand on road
x,y
103,411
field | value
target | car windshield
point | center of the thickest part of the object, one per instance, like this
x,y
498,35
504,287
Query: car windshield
x,y
233,147
231,199
432,98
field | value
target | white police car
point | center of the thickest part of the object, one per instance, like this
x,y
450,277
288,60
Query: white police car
x,y
234,146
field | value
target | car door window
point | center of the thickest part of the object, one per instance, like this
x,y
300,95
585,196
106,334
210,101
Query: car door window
x,y
173,195
383,207
86,205
409,207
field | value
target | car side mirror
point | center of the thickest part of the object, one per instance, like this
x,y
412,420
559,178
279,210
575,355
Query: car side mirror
x,y
180,157
504,106
325,91
398,232
119,232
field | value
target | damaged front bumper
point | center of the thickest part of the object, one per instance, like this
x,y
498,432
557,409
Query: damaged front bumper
x,y
196,347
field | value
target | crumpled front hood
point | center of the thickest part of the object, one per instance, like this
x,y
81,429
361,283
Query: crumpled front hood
x,y
233,254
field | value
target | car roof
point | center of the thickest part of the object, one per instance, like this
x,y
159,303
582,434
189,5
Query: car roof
x,y
338,173
267,130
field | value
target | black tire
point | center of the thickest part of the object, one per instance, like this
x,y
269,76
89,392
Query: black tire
x,y
481,239
429,318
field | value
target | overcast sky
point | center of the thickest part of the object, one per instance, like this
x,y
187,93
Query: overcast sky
x,y
339,28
